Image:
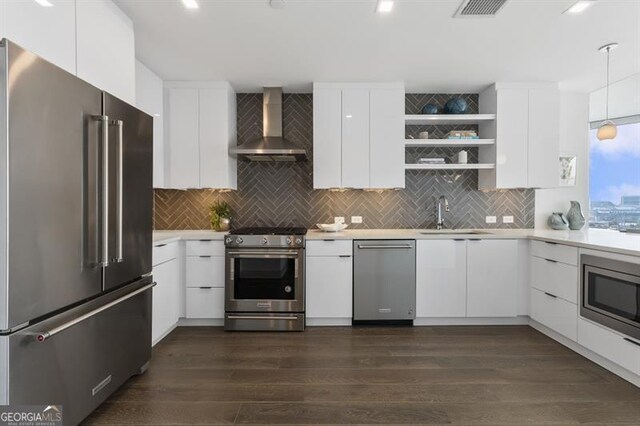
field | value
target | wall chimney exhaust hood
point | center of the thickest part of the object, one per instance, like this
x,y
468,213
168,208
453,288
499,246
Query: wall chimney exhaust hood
x,y
272,146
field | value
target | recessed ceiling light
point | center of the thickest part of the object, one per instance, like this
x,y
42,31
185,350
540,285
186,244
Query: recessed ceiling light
x,y
44,3
277,4
579,6
384,6
190,4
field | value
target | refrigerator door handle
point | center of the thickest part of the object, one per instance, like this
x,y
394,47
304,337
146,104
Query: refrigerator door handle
x,y
104,190
41,337
119,147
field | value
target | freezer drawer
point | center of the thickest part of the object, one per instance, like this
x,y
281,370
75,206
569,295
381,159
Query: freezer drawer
x,y
80,366
384,280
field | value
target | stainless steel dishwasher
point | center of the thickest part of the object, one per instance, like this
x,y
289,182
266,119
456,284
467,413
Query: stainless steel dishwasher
x,y
384,281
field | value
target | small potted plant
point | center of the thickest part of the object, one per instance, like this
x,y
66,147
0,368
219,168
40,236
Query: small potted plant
x,y
220,216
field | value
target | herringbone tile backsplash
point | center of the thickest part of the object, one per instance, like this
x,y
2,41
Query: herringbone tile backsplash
x,y
282,194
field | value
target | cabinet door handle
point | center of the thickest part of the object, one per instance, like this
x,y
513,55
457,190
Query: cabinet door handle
x,y
205,256
475,239
328,240
205,241
551,295
551,260
631,341
553,244
344,255
161,245
205,288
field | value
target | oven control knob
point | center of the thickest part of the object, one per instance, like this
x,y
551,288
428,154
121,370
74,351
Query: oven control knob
x,y
287,289
298,240
264,240
239,240
228,240
288,240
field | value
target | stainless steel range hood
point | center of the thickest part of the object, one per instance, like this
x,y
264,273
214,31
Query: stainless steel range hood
x,y
272,146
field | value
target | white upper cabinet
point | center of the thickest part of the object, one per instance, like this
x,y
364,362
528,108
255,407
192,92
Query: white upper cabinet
x,y
358,135
327,138
106,48
355,138
149,98
544,138
386,148
49,32
527,133
200,126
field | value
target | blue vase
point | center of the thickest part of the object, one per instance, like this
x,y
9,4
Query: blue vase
x,y
558,222
455,106
575,217
430,109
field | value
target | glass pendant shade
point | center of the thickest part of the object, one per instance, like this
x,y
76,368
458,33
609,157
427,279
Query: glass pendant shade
x,y
607,131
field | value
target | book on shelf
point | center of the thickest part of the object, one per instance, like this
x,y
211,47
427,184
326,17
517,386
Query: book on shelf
x,y
461,134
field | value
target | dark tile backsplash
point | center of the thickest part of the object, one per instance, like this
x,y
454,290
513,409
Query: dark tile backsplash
x,y
283,194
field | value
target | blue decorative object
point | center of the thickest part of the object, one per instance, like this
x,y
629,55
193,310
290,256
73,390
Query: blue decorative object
x,y
558,222
430,109
455,106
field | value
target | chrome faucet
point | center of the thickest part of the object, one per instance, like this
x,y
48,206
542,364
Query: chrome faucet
x,y
442,201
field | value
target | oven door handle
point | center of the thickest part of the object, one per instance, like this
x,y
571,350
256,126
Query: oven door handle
x,y
249,317
264,254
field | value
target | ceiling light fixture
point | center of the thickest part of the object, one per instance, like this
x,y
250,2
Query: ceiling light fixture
x,y
44,3
190,4
277,4
579,6
384,6
608,129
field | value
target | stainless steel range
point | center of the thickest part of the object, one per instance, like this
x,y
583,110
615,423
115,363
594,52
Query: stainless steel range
x,y
264,283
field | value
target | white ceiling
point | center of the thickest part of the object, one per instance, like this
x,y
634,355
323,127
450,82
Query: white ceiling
x,y
252,45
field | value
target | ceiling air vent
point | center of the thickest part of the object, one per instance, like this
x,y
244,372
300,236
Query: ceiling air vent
x,y
479,8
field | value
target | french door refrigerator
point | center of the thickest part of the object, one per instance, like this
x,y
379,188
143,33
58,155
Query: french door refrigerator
x,y
75,237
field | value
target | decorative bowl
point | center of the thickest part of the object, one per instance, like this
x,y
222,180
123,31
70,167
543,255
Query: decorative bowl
x,y
455,106
430,109
332,227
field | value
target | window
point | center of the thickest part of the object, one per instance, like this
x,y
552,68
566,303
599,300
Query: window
x,y
614,179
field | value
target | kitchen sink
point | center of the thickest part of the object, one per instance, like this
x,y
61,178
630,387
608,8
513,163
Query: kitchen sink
x,y
453,232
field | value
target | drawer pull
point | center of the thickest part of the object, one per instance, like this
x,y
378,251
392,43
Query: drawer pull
x,y
551,295
459,239
205,241
345,255
631,341
205,288
160,245
328,240
205,256
552,243
475,239
551,260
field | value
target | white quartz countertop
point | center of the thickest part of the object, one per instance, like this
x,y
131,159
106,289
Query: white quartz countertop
x,y
596,239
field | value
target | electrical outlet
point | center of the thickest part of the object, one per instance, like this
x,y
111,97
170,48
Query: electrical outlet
x,y
491,219
356,219
338,219
507,219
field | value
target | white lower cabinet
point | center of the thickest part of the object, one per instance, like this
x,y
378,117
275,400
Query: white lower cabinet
x,y
441,278
610,345
329,280
166,298
555,313
205,279
205,303
556,278
205,271
492,278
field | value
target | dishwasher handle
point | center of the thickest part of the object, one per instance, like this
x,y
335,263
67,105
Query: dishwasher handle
x,y
382,246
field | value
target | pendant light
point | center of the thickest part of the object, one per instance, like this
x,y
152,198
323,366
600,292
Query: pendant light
x,y
608,129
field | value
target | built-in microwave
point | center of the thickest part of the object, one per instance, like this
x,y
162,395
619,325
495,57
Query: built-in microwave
x,y
610,293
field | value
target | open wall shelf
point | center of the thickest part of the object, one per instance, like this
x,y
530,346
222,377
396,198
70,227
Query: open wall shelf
x,y
482,166
447,143
428,119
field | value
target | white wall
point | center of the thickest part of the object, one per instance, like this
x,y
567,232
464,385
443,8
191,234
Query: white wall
x,y
574,139
149,98
624,99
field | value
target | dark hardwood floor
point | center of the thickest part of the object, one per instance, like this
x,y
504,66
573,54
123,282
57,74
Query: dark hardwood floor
x,y
508,375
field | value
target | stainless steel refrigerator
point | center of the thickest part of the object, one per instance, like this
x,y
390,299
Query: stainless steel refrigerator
x,y
75,237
